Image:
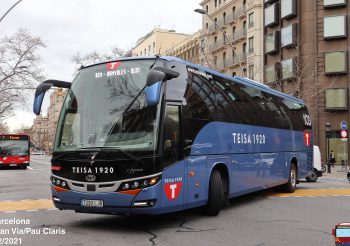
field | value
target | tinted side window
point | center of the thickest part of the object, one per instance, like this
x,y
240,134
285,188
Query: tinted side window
x,y
200,108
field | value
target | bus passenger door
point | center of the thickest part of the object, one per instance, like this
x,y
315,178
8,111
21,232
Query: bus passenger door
x,y
173,173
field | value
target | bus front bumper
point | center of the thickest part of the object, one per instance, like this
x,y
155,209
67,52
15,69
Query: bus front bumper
x,y
147,201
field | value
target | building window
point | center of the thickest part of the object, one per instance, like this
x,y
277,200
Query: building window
x,y
251,20
251,45
244,72
271,42
251,71
271,15
336,99
206,25
234,12
207,8
334,3
224,17
215,3
224,59
288,68
154,47
244,49
215,61
289,36
335,62
288,9
335,26
270,74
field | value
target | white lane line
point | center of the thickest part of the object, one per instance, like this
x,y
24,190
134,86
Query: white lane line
x,y
9,212
41,161
32,210
30,168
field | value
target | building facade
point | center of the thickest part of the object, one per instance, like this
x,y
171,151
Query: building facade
x,y
56,102
188,49
40,132
157,42
232,37
305,54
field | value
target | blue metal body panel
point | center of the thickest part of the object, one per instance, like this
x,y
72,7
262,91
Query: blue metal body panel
x,y
153,94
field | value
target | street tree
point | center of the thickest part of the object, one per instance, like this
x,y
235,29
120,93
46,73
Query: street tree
x,y
4,128
96,57
20,69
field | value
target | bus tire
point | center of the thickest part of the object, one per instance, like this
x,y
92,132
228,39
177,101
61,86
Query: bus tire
x,y
312,177
291,185
216,194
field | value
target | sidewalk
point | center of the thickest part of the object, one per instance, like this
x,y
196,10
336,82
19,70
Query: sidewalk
x,y
337,171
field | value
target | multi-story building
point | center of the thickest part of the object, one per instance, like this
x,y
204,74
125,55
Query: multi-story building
x,y
56,101
40,132
188,49
305,49
157,42
232,37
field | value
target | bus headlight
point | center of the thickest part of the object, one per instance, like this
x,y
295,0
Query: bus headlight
x,y
138,184
60,184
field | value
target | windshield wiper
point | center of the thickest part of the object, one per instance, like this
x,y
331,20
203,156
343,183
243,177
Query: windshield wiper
x,y
111,149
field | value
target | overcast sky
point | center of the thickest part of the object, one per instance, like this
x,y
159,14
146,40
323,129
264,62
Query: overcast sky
x,y
71,26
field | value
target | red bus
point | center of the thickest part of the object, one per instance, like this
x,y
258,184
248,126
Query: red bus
x,y
14,150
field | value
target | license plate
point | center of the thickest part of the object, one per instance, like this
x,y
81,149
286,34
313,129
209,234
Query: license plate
x,y
92,203
13,165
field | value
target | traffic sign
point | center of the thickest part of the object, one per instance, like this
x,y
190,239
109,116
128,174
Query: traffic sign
x,y
344,133
343,125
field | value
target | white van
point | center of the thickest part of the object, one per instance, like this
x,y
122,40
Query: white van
x,y
317,162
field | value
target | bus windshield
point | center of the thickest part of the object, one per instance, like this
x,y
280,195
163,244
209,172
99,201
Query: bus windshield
x,y
14,148
106,108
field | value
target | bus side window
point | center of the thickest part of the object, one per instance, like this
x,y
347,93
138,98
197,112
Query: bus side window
x,y
171,135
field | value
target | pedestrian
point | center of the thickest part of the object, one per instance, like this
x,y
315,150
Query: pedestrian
x,y
332,158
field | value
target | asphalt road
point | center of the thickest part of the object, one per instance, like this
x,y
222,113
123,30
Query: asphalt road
x,y
305,217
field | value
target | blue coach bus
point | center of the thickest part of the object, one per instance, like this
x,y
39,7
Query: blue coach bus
x,y
152,135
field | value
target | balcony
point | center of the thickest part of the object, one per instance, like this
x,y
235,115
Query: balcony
x,y
238,35
212,29
219,45
241,13
231,18
237,60
222,23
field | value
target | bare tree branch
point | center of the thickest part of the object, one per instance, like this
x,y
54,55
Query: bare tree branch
x,y
20,69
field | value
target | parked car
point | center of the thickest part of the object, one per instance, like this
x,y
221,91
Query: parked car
x,y
317,163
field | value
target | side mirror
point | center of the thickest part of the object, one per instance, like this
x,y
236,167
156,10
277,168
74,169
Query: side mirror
x,y
39,96
41,90
154,81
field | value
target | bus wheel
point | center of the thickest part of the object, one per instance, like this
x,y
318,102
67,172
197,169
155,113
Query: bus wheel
x,y
216,194
291,185
312,177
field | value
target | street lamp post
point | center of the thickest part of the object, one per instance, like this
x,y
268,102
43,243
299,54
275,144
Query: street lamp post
x,y
328,128
203,12
8,11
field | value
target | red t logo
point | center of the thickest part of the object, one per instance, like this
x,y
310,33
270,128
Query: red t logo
x,y
112,65
172,190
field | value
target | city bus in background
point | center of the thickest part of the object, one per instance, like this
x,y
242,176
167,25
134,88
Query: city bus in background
x,y
14,150
341,234
152,135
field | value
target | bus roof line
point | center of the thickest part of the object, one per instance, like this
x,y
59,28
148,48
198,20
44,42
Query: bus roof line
x,y
238,79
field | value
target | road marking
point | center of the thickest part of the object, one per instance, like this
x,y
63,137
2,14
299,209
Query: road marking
x,y
41,161
30,168
26,205
314,193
